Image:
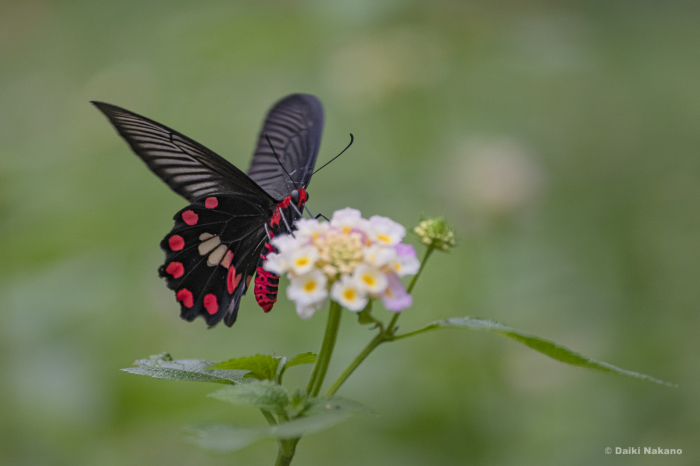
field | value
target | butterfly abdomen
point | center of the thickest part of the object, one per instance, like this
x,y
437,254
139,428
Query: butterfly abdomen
x,y
266,283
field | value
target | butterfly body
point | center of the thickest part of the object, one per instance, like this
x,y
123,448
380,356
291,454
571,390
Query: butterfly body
x,y
220,239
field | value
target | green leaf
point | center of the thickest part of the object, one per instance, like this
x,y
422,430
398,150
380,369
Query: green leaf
x,y
191,370
322,413
226,438
546,347
303,358
262,394
261,366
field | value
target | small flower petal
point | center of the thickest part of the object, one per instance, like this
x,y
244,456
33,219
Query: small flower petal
x,y
308,288
395,298
385,231
305,311
302,260
276,263
347,293
379,256
346,219
370,278
310,228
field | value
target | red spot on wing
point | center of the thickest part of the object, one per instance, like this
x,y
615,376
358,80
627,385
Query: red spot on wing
x,y
228,257
176,242
176,269
185,297
247,281
210,304
211,202
190,217
232,280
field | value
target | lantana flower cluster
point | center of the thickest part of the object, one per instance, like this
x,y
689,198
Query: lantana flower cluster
x,y
351,258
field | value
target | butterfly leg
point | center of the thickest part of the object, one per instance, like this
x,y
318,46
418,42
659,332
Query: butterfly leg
x,y
267,232
324,217
286,223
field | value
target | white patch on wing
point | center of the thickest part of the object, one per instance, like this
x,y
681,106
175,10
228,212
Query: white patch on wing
x,y
207,246
205,236
216,256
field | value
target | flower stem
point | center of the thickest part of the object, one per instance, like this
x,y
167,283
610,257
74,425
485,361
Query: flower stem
x,y
324,355
385,334
285,454
378,340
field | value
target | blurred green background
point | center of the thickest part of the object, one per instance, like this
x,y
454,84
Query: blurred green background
x,y
561,138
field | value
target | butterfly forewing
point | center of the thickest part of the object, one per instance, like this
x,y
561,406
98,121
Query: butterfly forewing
x,y
294,126
189,168
210,254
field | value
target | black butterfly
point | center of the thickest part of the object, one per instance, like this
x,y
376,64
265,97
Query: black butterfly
x,y
220,239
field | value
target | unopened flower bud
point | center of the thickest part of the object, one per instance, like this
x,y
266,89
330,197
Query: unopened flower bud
x,y
436,233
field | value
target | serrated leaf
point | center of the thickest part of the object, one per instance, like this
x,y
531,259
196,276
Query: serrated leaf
x,y
262,394
322,414
546,347
261,366
190,370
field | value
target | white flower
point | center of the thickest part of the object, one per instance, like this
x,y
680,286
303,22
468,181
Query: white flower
x,y
276,263
285,242
308,289
379,256
405,265
347,293
310,228
305,311
302,260
385,231
346,219
370,279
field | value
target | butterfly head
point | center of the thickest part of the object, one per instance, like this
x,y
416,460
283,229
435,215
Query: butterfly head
x,y
299,197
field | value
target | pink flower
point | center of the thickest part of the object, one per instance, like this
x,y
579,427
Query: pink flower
x,y
405,250
395,298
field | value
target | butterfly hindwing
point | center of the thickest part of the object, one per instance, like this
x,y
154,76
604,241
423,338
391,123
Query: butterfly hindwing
x,y
294,126
212,253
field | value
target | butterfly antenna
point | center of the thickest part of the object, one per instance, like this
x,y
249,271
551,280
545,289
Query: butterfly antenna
x,y
280,162
352,138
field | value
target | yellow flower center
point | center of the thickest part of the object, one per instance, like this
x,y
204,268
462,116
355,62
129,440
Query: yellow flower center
x,y
369,279
349,294
309,286
384,239
302,261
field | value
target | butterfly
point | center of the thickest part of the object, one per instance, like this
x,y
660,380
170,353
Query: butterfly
x,y
221,238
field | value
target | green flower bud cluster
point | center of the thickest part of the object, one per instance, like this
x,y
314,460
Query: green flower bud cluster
x,y
437,233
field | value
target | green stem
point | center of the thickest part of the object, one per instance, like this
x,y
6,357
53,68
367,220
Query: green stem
x,y
324,355
285,454
385,334
378,340
269,417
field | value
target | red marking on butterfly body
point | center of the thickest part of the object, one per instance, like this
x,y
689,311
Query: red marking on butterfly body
x,y
185,297
210,304
176,242
211,202
189,217
176,269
